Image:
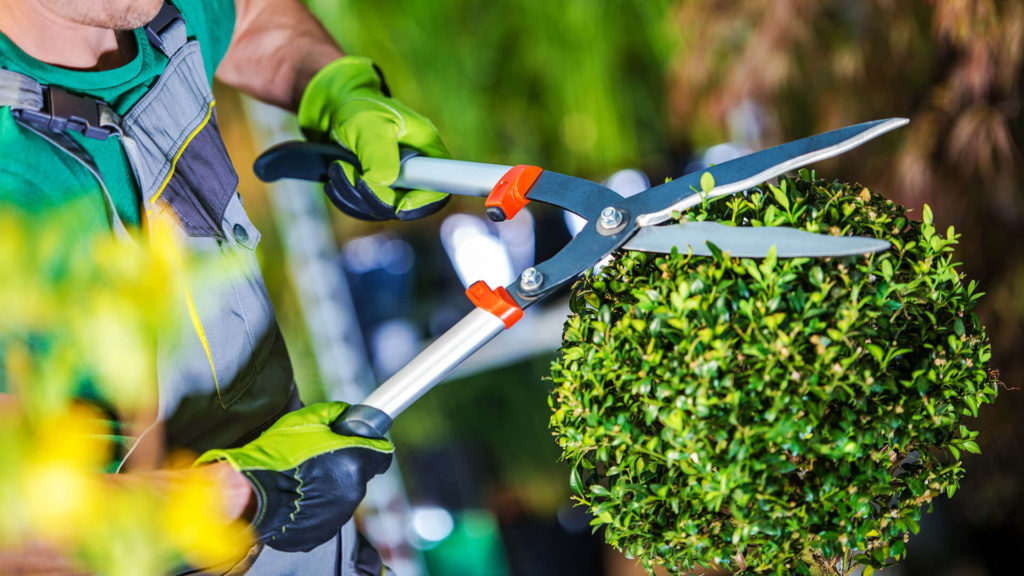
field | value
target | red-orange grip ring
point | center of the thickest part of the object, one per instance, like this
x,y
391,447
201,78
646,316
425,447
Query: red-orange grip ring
x,y
498,302
508,196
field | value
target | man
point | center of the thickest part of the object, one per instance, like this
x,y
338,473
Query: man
x,y
111,101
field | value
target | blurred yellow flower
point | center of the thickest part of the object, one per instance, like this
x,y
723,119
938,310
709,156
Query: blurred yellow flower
x,y
84,316
197,524
59,484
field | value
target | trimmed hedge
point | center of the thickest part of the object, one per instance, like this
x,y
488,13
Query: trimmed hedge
x,y
773,416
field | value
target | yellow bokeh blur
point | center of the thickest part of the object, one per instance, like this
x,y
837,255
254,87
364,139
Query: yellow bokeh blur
x,y
84,316
199,526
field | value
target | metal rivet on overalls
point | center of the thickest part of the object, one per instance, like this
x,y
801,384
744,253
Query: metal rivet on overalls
x,y
531,279
241,234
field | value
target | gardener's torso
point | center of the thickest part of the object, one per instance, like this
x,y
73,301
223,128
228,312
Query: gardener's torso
x,y
226,375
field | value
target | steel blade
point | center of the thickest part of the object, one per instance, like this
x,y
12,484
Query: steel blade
x,y
749,242
657,204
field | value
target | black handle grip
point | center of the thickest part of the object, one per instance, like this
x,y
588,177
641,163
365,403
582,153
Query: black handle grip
x,y
363,421
301,160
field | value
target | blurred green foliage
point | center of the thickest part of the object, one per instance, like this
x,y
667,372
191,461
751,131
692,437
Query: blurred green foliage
x,y
772,416
576,85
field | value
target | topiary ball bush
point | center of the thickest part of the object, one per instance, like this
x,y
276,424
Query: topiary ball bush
x,y
773,416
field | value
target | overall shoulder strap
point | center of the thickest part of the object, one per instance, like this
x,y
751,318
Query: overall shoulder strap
x,y
166,32
54,109
19,91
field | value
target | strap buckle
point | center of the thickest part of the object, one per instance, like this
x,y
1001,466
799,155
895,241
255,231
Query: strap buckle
x,y
64,111
157,26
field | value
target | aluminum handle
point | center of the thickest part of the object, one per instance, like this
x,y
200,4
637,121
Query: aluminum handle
x,y
435,362
451,176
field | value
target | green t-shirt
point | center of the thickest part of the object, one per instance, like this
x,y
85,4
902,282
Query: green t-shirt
x,y
35,176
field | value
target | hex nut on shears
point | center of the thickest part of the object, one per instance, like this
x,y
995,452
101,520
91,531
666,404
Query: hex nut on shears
x,y
611,221
531,279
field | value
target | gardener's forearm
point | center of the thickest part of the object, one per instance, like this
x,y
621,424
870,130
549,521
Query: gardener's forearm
x,y
237,500
276,49
36,558
237,497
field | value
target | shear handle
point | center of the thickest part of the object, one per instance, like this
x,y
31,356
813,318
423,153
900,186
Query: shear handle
x,y
372,417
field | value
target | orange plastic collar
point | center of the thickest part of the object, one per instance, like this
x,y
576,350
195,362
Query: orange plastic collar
x,y
508,196
498,302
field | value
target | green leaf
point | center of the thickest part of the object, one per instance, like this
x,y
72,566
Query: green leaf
x,y
716,252
780,197
886,269
707,182
970,446
576,482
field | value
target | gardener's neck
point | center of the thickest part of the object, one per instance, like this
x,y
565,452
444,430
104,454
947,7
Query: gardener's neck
x,y
57,38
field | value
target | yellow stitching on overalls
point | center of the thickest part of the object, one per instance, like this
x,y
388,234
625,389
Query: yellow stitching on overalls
x,y
202,338
194,315
174,162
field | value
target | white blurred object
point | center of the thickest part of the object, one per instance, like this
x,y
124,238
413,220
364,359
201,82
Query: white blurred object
x,y
628,182
752,125
394,343
717,154
475,252
378,251
721,153
429,525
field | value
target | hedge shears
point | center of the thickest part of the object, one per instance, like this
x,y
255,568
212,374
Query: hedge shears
x,y
640,222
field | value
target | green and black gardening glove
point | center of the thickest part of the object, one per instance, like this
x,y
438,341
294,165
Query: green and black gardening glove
x,y
307,479
347,102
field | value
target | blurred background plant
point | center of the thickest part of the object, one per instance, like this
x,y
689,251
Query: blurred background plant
x,y
77,346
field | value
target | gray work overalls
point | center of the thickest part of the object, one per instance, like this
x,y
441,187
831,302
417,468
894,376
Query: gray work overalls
x,y
227,376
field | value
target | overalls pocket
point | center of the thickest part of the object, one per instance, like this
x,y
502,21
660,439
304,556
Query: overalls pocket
x,y
229,311
201,182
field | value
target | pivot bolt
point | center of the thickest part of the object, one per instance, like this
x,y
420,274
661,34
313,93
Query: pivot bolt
x,y
611,221
531,279
610,217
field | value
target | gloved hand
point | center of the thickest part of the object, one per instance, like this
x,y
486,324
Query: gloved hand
x,y
348,102
307,479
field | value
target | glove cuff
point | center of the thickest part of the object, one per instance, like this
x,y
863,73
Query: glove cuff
x,y
334,83
217,455
259,519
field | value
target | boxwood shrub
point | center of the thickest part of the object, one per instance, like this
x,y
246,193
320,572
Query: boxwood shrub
x,y
781,416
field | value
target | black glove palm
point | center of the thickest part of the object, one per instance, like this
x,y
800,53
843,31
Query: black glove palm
x,y
308,479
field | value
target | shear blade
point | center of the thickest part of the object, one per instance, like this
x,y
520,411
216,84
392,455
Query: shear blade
x,y
659,203
749,242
